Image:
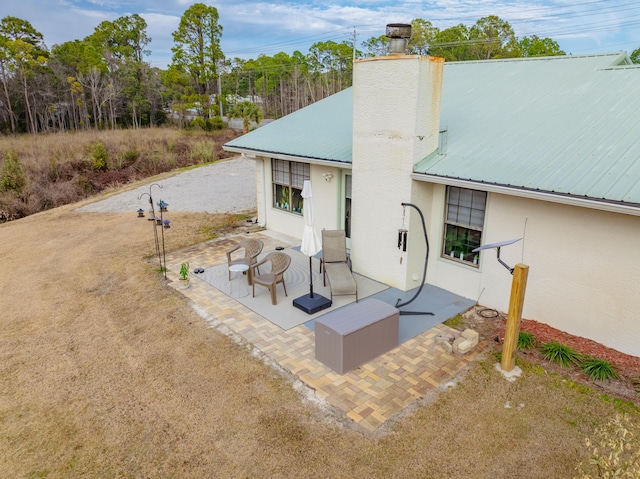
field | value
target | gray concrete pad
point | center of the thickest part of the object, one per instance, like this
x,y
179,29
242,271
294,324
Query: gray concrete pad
x,y
442,303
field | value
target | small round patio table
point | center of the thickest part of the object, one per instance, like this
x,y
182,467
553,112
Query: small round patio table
x,y
239,288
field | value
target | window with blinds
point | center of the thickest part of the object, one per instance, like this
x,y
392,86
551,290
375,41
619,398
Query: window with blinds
x,y
288,180
464,221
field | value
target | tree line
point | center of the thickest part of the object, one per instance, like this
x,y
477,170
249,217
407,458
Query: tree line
x,y
104,82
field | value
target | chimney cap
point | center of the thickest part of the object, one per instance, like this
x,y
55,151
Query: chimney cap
x,y
398,30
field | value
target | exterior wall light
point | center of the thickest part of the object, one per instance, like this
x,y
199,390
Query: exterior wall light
x,y
327,176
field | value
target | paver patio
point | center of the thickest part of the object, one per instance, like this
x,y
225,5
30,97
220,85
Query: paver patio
x,y
369,395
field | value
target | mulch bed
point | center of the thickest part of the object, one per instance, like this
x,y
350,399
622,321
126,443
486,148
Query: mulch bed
x,y
626,365
491,326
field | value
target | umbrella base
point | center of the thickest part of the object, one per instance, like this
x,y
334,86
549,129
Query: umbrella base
x,y
312,305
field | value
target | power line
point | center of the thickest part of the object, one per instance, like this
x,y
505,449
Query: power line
x,y
294,42
553,10
562,12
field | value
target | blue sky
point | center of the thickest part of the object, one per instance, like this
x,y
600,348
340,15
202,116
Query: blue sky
x,y
251,28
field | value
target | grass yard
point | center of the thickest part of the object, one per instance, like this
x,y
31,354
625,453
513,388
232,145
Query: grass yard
x,y
105,372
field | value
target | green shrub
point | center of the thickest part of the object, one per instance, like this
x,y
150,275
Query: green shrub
x,y
99,156
12,176
526,340
560,353
215,123
198,123
599,369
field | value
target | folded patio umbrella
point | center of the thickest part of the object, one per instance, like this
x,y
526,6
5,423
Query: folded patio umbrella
x,y
311,245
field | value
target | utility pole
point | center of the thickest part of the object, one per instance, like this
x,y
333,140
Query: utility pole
x,y
220,88
353,61
354,43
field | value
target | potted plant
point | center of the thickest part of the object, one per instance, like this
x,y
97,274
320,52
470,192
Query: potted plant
x,y
184,275
452,244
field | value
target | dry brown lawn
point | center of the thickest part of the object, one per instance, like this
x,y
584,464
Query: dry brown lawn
x,y
105,372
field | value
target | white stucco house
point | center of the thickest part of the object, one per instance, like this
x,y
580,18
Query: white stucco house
x,y
544,149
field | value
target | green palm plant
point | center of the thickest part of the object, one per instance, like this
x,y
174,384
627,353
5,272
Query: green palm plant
x,y
248,111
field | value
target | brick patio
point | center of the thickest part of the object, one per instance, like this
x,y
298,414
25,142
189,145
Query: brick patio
x,y
369,395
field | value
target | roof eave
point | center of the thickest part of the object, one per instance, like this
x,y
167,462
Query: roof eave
x,y
251,153
614,207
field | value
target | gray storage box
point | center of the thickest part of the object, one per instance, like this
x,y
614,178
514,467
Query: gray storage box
x,y
357,333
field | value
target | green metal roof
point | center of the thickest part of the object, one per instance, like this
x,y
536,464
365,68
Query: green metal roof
x,y
568,125
320,131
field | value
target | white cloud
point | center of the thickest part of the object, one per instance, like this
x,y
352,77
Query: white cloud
x,y
272,26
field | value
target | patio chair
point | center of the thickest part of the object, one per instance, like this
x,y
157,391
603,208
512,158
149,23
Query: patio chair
x,y
335,264
279,264
252,248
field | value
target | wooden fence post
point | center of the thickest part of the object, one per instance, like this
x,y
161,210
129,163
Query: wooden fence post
x,y
516,302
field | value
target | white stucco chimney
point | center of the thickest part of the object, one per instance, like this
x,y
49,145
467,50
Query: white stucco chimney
x,y
396,119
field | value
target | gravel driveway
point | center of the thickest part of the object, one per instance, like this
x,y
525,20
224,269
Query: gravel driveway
x,y
224,187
